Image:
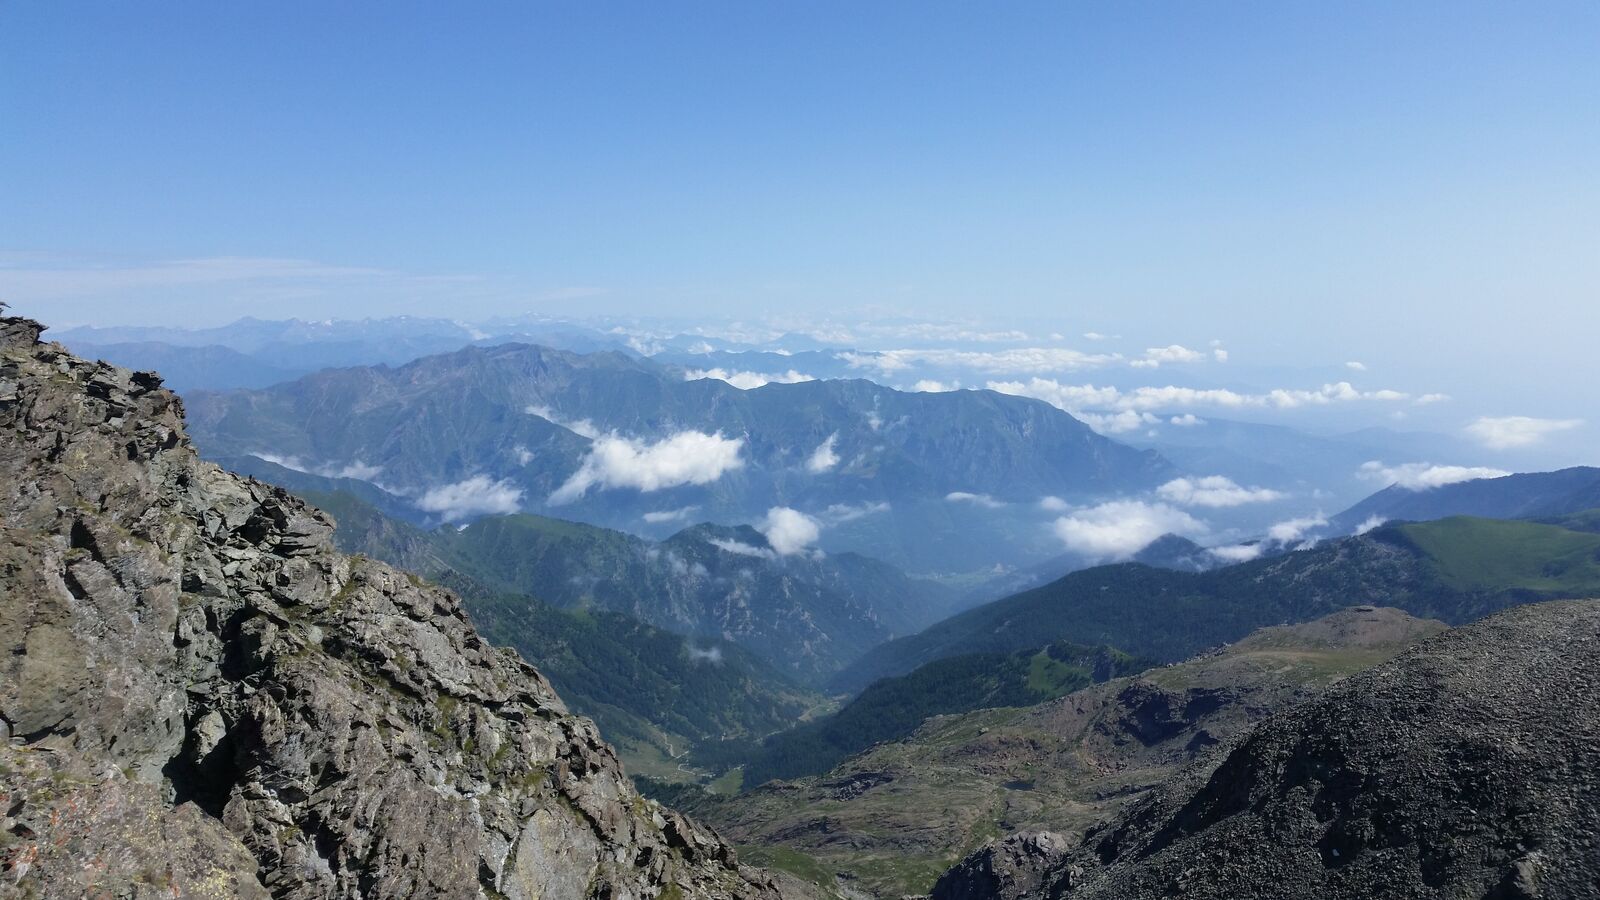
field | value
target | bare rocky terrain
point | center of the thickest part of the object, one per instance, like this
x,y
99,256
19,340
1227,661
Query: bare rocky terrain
x,y
890,820
199,697
1465,767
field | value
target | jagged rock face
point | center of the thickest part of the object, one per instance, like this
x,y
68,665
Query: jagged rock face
x,y
1467,767
187,663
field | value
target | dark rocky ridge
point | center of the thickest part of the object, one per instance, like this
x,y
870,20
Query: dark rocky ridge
x,y
1468,766
200,697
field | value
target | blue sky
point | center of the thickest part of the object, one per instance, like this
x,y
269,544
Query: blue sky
x,y
1416,182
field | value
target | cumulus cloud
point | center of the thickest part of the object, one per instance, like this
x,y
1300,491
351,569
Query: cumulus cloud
x,y
1505,432
1291,530
1115,423
1121,528
929,386
479,495
1356,366
1421,476
669,515
523,455
1053,504
1214,491
740,548
1426,399
823,458
789,531
583,427
1369,523
844,512
1174,353
745,381
1187,420
1236,553
688,457
1095,336
983,500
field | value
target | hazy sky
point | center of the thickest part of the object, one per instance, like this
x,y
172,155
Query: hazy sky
x,y
1416,182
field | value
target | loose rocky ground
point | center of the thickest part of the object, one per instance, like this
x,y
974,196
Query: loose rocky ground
x,y
1468,766
892,819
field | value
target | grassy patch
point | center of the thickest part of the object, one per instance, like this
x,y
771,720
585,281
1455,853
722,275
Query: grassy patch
x,y
1499,555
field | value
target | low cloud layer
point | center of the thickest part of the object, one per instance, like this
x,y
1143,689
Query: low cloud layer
x,y
583,427
357,469
746,381
789,531
1214,491
688,457
823,458
669,515
1291,530
1122,528
1508,432
479,495
1421,476
1171,398
983,500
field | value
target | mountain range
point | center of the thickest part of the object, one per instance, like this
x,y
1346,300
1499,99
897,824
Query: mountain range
x,y
1454,569
624,442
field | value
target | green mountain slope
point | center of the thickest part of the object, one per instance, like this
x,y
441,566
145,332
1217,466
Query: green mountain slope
x,y
805,615
1455,571
892,708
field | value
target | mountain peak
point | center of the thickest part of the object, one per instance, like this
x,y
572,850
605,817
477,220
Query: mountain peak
x,y
185,645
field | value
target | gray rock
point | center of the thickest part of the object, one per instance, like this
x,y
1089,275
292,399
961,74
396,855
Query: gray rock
x,y
280,718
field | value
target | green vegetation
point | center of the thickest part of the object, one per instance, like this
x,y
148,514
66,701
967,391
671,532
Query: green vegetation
x,y
1493,554
1456,570
894,707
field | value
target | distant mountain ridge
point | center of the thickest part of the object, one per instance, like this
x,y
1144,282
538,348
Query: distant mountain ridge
x,y
1529,495
526,418
1455,569
803,615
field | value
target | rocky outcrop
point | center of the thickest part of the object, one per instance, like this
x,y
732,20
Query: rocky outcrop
x,y
1467,767
200,697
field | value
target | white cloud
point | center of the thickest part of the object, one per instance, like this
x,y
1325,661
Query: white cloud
x,y
1214,491
1187,420
1425,399
1291,530
929,386
844,512
1021,359
1053,504
479,495
1505,432
1095,336
1356,366
1174,353
823,458
1116,423
523,455
983,500
688,457
1122,528
711,655
669,515
740,548
1236,553
746,381
1220,355
789,531
1075,398
1421,476
583,427
1371,522
356,469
